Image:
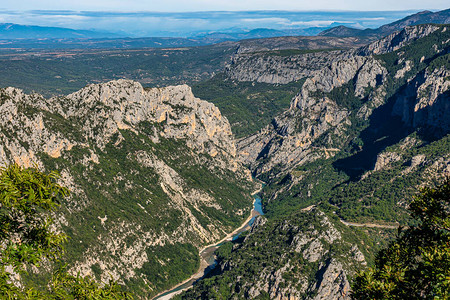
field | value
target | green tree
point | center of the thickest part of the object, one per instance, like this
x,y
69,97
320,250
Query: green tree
x,y
27,199
417,264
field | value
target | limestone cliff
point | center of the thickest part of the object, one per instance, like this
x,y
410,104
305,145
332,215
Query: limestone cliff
x,y
287,259
284,67
424,102
345,92
148,170
278,69
292,137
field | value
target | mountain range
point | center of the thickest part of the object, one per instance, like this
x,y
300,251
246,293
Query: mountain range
x,y
423,17
16,31
27,36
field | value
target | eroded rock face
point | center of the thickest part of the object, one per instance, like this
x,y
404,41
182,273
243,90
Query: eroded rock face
x,y
290,139
397,40
315,125
297,264
124,104
277,69
334,283
425,101
129,156
384,159
105,109
23,132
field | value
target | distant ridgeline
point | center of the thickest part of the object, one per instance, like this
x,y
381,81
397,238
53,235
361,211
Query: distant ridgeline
x,y
153,177
364,132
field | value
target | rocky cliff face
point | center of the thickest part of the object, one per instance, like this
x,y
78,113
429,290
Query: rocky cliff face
x,y
345,92
424,102
277,69
293,137
297,261
152,173
398,39
101,111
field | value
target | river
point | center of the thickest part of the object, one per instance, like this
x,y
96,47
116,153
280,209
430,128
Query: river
x,y
207,257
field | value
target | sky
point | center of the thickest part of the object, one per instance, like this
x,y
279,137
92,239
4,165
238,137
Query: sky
x,y
233,5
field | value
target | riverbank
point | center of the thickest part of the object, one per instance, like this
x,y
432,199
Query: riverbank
x,y
205,252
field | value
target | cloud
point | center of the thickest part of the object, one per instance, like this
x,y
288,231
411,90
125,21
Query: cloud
x,y
372,19
266,20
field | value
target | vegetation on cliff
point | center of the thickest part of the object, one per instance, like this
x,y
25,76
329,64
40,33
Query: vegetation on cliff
x,y
417,264
28,238
249,106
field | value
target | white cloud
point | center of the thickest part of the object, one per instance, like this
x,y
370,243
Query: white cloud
x,y
266,20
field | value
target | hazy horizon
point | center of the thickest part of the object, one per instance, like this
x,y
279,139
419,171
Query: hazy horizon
x,y
183,24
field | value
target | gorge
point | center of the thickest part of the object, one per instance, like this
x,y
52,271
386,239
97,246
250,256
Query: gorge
x,y
161,181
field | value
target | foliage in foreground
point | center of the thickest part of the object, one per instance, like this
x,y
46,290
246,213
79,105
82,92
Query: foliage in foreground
x,y
417,264
27,196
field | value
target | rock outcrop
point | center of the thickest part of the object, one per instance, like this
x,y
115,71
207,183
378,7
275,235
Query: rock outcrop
x,y
293,137
398,39
297,261
148,170
425,101
278,69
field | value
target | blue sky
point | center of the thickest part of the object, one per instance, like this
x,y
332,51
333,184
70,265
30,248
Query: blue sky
x,y
208,5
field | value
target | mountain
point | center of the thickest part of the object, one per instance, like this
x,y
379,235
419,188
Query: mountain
x,y
344,31
424,17
363,133
153,176
300,43
259,33
16,31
